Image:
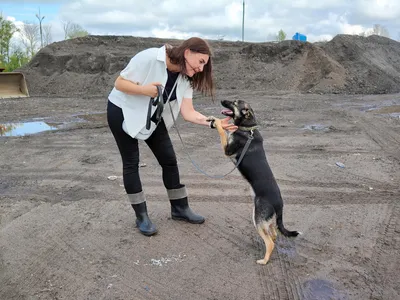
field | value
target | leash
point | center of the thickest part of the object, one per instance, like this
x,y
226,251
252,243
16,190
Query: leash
x,y
159,102
156,101
246,146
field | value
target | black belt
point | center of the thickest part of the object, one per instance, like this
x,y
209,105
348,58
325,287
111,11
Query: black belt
x,y
159,102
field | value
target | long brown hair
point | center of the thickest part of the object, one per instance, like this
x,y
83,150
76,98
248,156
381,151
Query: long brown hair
x,y
202,81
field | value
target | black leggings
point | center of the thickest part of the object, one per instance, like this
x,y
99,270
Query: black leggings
x,y
159,143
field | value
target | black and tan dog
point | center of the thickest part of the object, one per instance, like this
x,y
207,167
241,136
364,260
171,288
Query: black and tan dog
x,y
268,204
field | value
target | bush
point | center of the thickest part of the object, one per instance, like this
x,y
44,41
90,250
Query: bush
x,y
16,60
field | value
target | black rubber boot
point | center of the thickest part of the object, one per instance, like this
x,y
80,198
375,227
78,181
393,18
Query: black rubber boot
x,y
180,210
143,222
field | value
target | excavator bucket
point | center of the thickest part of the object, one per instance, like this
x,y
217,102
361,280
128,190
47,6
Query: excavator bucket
x,y
13,85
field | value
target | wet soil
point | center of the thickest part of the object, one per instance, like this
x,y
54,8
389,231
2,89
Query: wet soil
x,y
67,230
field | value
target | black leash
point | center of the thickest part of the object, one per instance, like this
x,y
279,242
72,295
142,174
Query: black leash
x,y
156,101
246,146
159,102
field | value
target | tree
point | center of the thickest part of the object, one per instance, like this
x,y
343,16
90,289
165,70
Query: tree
x,y
281,36
47,37
377,30
17,59
67,28
72,30
7,30
380,30
30,38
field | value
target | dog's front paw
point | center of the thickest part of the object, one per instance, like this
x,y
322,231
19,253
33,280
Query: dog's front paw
x,y
211,118
262,261
212,121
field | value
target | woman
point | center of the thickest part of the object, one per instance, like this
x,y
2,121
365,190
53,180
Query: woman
x,y
178,70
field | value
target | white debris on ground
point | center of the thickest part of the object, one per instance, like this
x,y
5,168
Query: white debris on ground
x,y
165,260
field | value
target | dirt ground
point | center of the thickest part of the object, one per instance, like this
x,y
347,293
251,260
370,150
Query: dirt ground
x,y
68,232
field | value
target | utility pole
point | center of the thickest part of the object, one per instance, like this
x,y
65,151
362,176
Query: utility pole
x,y
243,24
40,18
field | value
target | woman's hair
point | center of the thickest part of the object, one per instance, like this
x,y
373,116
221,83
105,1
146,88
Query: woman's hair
x,y
201,81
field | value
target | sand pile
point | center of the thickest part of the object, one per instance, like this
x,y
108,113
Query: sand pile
x,y
348,64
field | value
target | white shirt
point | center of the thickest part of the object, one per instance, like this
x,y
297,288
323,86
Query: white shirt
x,y
146,67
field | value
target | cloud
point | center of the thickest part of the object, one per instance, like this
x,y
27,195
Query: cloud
x,y
381,10
319,20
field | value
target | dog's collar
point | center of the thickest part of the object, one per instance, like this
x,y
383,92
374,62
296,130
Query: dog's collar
x,y
248,128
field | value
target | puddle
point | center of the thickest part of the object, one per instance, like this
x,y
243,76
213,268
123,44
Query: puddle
x,y
318,289
21,129
286,246
38,125
391,110
319,127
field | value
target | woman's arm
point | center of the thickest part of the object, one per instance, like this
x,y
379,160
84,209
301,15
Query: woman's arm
x,y
132,88
191,115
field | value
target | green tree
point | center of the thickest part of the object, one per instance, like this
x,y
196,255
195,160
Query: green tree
x,y
281,36
17,59
72,30
7,30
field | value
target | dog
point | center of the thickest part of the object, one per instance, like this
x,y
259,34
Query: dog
x,y
254,167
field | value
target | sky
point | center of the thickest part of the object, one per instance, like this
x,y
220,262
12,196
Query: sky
x,y
319,20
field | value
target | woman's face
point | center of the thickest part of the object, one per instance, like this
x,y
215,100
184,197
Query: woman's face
x,y
195,62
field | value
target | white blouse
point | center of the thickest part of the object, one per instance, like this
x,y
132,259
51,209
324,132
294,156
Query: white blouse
x,y
146,67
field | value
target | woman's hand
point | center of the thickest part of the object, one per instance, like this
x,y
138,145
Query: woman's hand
x,y
150,89
228,126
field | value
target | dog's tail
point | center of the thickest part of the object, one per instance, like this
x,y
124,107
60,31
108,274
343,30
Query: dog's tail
x,y
282,229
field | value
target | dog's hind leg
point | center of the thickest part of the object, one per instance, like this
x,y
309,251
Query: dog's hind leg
x,y
269,243
273,231
222,133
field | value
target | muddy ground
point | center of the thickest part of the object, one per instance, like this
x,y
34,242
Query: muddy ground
x,y
67,231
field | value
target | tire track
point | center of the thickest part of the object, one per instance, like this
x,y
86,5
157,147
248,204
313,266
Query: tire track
x,y
387,247
282,281
384,136
266,276
59,246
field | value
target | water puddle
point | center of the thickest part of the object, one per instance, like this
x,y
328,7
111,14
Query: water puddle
x,y
286,246
385,109
393,110
38,125
21,129
319,127
318,289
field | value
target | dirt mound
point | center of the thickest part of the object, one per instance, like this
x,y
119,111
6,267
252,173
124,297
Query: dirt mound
x,y
285,66
347,64
372,63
